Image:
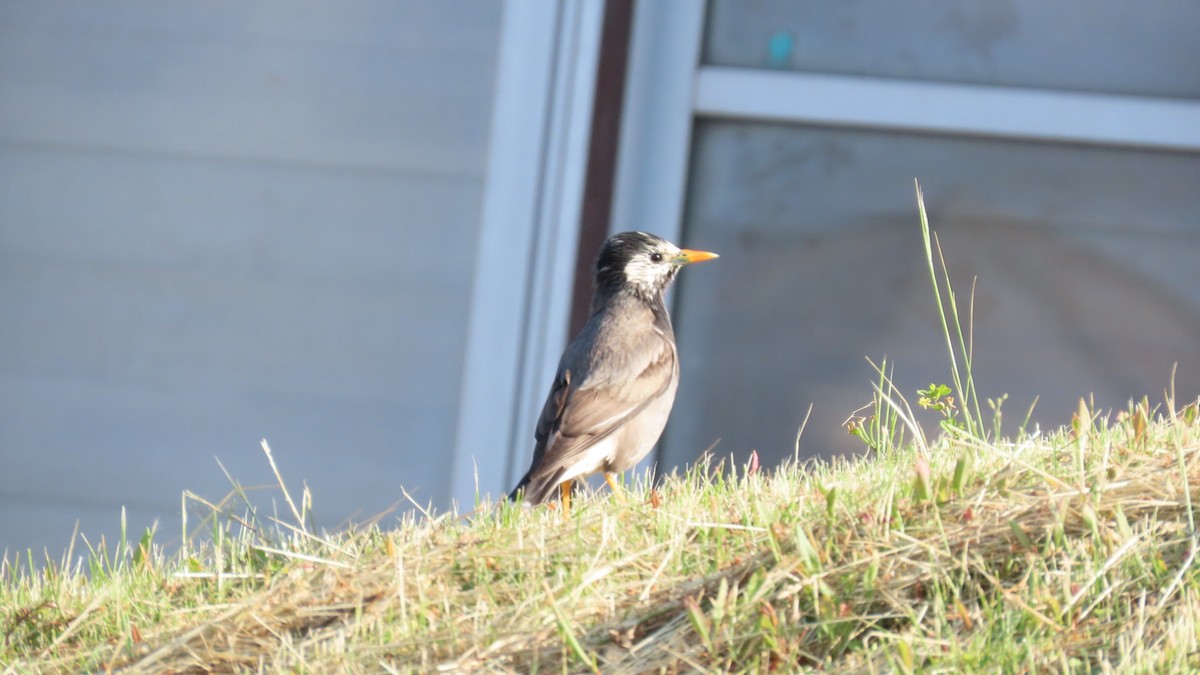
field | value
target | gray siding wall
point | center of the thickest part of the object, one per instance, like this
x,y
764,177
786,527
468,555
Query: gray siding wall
x,y
224,221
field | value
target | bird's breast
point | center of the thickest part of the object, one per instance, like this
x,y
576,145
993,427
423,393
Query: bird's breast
x,y
635,440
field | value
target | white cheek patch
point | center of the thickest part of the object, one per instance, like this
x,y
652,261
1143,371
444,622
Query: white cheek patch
x,y
640,271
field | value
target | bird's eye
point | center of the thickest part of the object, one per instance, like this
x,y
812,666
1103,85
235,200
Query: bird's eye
x,y
656,257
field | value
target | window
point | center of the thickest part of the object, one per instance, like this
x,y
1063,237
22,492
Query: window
x,y
1059,160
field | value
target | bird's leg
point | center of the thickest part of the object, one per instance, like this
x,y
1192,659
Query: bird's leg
x,y
564,491
618,491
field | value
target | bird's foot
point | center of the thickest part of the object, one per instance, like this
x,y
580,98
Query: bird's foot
x,y
618,491
564,491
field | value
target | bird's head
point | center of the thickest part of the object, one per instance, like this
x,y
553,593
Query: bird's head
x,y
642,264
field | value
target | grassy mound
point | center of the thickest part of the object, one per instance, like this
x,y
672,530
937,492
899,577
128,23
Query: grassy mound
x,y
1068,551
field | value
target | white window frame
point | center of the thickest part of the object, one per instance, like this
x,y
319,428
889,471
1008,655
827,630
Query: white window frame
x,y
934,107
529,231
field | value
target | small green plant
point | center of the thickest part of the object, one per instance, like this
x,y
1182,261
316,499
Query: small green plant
x,y
959,344
958,402
937,397
883,428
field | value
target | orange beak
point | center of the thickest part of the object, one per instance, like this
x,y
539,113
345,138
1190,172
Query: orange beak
x,y
687,256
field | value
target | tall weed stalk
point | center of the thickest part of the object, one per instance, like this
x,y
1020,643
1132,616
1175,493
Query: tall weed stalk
x,y
966,416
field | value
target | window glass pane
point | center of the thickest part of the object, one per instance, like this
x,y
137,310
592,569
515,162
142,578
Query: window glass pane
x,y
1145,48
1087,262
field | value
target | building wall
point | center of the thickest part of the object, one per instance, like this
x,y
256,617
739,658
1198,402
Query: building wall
x,y
227,221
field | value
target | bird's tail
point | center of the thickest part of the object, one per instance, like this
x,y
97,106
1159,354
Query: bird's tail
x,y
520,489
536,489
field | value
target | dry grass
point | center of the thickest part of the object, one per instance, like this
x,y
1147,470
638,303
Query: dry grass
x,y
1072,551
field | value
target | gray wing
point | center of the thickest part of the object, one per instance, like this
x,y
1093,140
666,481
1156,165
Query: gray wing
x,y
579,414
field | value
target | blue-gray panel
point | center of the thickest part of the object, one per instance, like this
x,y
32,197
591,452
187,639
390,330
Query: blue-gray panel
x,y
77,449
223,221
254,81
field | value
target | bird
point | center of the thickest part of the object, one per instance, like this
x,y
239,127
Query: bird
x,y
616,380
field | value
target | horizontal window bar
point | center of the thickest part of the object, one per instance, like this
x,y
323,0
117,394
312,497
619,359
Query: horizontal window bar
x,y
1010,112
